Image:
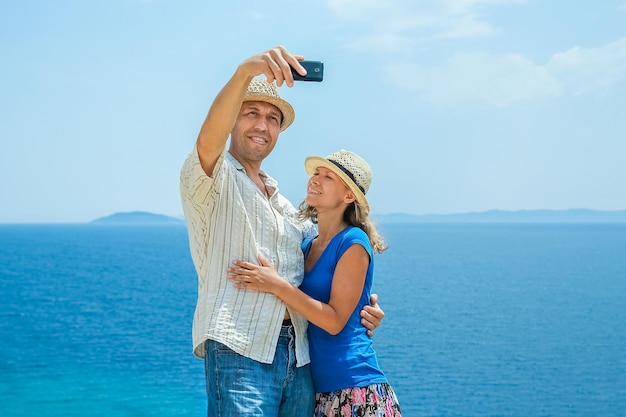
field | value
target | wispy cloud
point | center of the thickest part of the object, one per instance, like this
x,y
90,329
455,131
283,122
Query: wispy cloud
x,y
257,15
464,26
590,69
388,42
401,27
501,80
498,80
410,22
358,9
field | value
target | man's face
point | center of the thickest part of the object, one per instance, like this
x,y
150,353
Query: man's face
x,y
256,131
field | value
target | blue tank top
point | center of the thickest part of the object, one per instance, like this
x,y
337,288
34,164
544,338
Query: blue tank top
x,y
346,360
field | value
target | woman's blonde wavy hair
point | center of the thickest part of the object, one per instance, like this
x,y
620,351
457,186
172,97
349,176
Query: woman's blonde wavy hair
x,y
355,216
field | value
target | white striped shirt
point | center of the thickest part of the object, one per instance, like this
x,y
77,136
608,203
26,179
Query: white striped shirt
x,y
229,218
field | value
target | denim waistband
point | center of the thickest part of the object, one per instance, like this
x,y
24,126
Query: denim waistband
x,y
287,333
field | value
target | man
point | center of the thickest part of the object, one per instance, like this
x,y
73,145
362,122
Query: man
x,y
255,348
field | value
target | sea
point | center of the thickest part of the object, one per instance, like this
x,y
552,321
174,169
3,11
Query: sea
x,y
480,320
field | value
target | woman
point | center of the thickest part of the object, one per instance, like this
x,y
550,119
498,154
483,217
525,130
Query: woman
x,y
339,269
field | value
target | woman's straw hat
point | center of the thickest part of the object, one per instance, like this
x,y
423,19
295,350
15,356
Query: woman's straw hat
x,y
261,90
350,167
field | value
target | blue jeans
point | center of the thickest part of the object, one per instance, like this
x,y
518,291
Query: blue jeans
x,y
239,386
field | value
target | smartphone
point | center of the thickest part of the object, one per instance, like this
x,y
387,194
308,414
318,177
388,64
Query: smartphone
x,y
314,71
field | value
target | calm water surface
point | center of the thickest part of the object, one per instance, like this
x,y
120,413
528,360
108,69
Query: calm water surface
x,y
481,320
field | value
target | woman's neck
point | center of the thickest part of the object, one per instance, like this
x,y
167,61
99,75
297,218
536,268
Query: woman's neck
x,y
329,225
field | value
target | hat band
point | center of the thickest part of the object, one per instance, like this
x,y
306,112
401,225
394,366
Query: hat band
x,y
349,174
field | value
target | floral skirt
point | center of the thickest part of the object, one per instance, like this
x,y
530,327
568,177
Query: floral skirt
x,y
377,400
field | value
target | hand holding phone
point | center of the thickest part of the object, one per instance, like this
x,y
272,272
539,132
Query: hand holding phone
x,y
314,71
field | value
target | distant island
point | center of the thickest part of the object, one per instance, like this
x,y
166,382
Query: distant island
x,y
502,216
491,216
138,218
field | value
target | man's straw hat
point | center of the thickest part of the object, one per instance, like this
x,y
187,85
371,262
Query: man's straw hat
x,y
261,90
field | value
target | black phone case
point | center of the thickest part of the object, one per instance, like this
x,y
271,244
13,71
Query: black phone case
x,y
314,71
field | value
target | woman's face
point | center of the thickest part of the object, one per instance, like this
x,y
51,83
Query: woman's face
x,y
325,189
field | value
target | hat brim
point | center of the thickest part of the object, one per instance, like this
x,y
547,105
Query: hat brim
x,y
285,108
313,162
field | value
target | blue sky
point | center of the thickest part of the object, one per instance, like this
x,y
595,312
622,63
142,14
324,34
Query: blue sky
x,y
458,105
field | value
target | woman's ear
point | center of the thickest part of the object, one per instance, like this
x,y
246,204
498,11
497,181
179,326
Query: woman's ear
x,y
349,198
